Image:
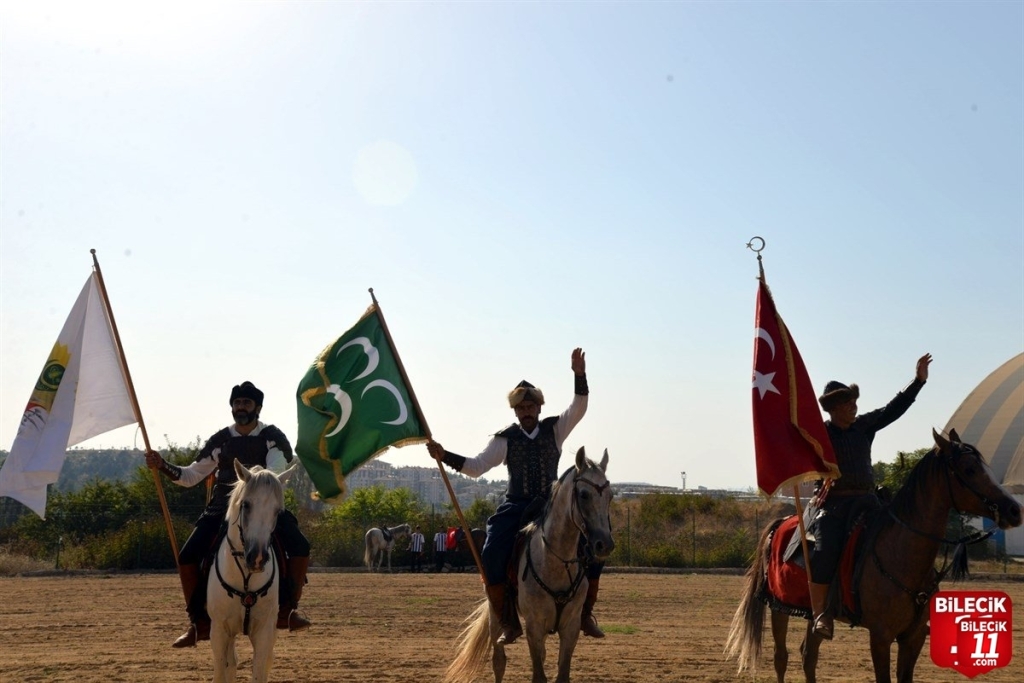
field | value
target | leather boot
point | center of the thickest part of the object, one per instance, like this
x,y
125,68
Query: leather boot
x,y
191,575
819,606
588,624
287,614
199,630
509,631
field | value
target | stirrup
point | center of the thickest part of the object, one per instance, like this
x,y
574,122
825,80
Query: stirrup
x,y
291,620
509,634
823,626
197,631
589,627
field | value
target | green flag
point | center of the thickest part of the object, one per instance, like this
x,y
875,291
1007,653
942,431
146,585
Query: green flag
x,y
353,405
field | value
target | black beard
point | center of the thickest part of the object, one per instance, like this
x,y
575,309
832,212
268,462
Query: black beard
x,y
243,417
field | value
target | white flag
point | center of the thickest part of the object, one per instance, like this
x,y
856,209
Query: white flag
x,y
81,393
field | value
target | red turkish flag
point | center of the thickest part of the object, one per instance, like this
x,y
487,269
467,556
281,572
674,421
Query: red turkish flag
x,y
790,441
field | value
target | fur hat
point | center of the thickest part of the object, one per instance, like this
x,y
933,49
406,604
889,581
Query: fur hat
x,y
246,390
525,391
836,393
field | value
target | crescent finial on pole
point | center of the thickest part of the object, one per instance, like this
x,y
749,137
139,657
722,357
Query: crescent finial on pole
x,y
751,245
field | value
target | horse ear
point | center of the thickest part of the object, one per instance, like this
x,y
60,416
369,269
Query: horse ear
x,y
953,436
940,440
604,461
241,471
287,474
581,458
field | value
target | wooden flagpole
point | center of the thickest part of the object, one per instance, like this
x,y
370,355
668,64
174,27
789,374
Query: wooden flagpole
x,y
135,402
426,428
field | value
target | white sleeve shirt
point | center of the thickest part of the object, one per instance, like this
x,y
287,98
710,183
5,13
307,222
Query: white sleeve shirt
x,y
497,448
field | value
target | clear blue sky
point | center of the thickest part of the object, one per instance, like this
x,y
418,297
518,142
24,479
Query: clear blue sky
x,y
515,180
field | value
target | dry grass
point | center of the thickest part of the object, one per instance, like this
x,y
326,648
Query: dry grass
x,y
16,565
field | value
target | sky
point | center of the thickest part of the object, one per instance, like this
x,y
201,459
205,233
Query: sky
x,y
515,180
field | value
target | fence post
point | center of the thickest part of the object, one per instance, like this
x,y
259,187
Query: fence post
x,y
629,549
694,530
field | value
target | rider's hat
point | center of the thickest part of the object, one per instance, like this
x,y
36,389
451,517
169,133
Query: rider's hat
x,y
525,391
246,390
836,393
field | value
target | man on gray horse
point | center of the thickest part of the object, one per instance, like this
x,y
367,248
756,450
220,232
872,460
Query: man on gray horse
x,y
530,450
251,442
851,436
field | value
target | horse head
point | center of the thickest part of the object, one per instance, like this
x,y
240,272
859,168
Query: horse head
x,y
971,486
593,496
256,500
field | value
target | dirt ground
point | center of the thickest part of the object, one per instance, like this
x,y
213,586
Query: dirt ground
x,y
401,627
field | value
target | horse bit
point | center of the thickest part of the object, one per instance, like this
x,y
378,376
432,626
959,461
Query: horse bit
x,y
247,596
563,597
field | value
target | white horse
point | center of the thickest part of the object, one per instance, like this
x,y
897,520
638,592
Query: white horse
x,y
377,545
553,581
244,582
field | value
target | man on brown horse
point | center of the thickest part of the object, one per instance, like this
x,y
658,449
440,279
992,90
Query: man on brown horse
x,y
530,450
851,436
252,443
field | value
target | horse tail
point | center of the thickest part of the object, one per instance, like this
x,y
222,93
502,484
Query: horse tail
x,y
367,555
473,644
744,641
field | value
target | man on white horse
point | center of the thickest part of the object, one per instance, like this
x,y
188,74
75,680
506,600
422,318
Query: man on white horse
x,y
251,442
531,450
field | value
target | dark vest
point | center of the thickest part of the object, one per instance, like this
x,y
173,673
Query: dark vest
x,y
248,450
532,463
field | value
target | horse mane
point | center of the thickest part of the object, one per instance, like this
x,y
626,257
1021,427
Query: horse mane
x,y
905,499
539,520
260,479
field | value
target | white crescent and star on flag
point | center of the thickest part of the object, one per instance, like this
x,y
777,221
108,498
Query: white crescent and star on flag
x,y
344,400
763,382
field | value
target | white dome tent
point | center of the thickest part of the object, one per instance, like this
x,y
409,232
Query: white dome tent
x,y
992,418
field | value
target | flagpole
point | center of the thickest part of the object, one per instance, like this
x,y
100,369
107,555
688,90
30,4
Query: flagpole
x,y
426,428
135,402
796,486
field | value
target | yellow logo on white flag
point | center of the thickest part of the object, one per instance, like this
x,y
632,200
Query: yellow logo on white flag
x,y
81,393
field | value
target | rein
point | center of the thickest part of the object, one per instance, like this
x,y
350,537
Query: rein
x,y
958,566
582,560
247,597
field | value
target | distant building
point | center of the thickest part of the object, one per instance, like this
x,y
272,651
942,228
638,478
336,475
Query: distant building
x,y
992,419
425,483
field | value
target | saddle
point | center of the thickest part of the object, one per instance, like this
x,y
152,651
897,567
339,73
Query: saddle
x,y
785,587
388,536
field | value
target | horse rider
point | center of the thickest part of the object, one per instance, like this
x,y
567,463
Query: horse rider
x,y
251,442
851,436
530,450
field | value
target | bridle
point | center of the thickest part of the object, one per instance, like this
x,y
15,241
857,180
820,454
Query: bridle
x,y
247,597
958,565
582,560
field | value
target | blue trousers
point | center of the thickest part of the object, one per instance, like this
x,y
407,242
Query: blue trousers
x,y
502,528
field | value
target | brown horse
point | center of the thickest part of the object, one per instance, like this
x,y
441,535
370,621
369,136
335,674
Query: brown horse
x,y
898,576
462,557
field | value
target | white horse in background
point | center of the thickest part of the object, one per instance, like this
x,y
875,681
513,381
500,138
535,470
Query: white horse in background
x,y
377,545
245,579
573,531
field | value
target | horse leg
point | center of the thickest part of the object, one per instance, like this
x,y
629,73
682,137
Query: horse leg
x,y
225,664
881,657
780,627
263,648
536,642
567,639
908,649
498,659
809,652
